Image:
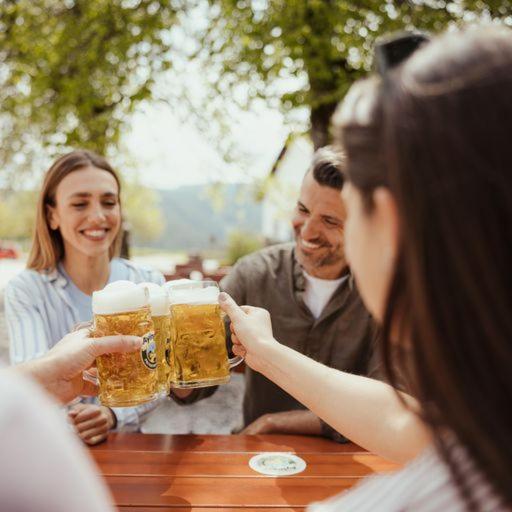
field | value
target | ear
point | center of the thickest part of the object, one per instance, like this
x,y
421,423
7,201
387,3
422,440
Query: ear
x,y
388,225
52,217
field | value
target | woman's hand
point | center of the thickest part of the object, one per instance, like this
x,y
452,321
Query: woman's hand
x,y
251,330
61,370
92,422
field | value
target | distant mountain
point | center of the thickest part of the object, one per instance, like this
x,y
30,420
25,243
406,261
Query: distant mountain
x,y
198,218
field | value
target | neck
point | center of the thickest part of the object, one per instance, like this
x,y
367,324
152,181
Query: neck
x,y
89,274
328,273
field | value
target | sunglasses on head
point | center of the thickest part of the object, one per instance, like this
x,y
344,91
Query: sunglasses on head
x,y
390,51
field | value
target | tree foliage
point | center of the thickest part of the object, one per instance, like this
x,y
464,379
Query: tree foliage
x,y
298,53
70,71
141,207
241,243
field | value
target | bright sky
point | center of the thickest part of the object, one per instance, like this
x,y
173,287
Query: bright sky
x,y
169,153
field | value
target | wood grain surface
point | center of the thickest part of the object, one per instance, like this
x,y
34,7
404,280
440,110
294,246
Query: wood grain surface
x,y
205,473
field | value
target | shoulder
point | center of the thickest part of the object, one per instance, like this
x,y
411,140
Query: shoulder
x,y
139,273
28,281
267,259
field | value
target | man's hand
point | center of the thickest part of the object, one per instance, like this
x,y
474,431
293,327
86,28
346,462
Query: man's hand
x,y
181,393
301,422
60,371
92,422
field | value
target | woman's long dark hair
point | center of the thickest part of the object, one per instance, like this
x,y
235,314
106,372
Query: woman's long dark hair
x,y
438,133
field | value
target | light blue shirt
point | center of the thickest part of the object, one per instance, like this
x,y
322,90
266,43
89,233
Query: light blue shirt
x,y
42,307
83,302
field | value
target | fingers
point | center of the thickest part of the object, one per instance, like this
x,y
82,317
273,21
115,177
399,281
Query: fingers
x,y
239,350
88,412
110,344
94,436
97,424
230,307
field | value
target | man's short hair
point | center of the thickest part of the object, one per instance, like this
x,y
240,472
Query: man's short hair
x,y
328,167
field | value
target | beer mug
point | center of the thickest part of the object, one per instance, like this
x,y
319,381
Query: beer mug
x,y
131,378
198,336
160,314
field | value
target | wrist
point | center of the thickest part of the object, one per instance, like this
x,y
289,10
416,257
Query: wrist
x,y
267,355
269,423
112,423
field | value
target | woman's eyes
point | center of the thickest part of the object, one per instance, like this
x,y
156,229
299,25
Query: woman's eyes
x,y
106,204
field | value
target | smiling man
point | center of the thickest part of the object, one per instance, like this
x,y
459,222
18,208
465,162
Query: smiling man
x,y
315,307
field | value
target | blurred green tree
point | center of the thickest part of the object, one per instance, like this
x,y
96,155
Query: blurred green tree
x,y
241,243
307,53
17,214
141,208
70,71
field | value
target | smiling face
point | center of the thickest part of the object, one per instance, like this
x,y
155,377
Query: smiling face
x,y
318,224
87,212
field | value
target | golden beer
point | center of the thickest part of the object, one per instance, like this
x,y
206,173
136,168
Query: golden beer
x,y
163,341
198,338
131,378
160,314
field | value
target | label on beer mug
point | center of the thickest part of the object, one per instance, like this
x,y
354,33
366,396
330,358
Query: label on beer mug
x,y
277,464
148,350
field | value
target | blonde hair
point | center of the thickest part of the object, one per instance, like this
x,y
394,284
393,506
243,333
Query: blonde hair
x,y
47,244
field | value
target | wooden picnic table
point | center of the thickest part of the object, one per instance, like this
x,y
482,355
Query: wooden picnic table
x,y
202,473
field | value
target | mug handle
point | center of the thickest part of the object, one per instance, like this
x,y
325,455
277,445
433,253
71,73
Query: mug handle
x,y
234,361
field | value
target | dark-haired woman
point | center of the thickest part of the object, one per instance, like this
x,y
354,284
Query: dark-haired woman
x,y
77,234
429,240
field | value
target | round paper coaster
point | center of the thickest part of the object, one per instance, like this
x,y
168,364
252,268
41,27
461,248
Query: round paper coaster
x,y
277,464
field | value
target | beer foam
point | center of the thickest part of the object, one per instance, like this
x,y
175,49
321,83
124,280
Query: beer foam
x,y
209,295
169,285
158,299
119,285
119,300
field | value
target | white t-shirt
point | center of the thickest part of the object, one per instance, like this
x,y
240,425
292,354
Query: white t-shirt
x,y
43,466
319,291
424,485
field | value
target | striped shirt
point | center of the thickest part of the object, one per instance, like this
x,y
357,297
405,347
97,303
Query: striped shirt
x,y
424,485
40,311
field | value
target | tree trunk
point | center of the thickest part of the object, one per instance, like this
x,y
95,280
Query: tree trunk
x,y
320,124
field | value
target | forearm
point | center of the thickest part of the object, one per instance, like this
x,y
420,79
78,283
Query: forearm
x,y
366,411
37,370
299,422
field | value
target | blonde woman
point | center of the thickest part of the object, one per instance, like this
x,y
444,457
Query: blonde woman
x,y
77,233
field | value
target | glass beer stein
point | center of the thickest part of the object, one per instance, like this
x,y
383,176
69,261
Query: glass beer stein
x,y
160,314
131,378
198,336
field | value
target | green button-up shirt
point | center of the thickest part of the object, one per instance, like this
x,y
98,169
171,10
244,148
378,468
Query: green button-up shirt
x,y
343,337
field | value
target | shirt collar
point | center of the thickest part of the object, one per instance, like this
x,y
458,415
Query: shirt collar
x,y
56,277
299,281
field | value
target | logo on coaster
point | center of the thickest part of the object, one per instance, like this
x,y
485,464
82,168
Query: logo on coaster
x,y
277,464
148,350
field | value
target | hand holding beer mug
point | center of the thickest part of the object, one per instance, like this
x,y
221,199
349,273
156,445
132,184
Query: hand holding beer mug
x,y
198,336
131,378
